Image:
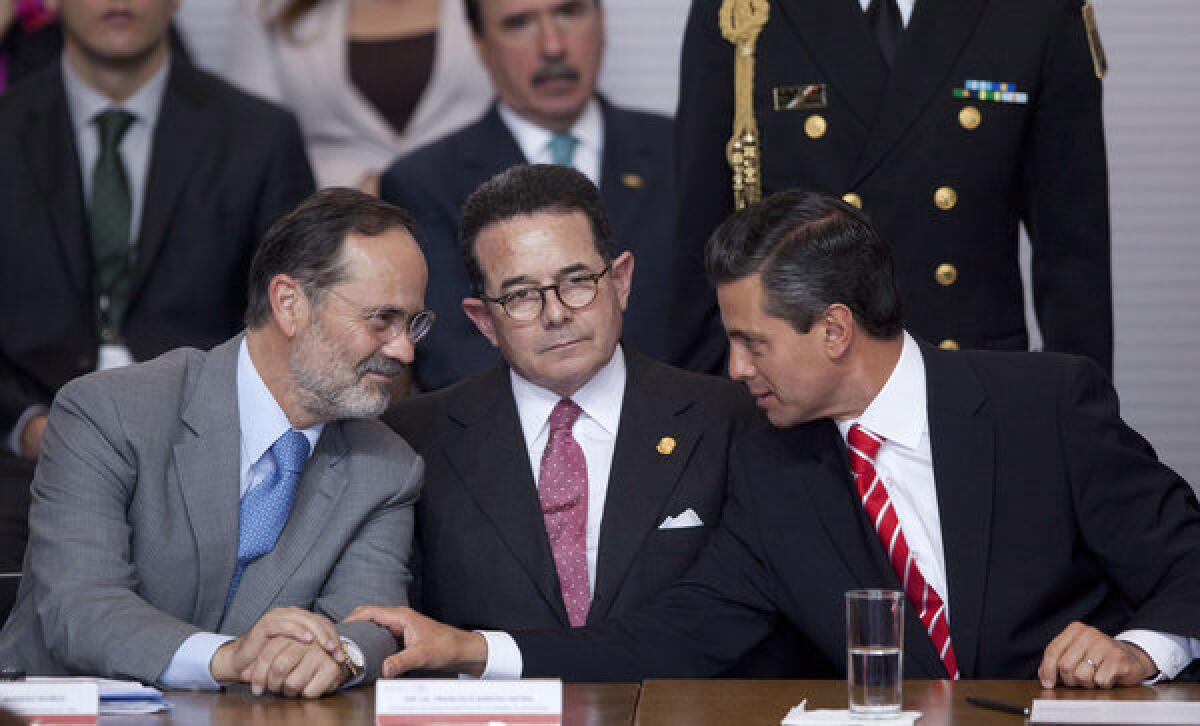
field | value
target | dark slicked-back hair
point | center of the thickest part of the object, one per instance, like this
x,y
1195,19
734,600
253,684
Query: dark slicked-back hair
x,y
306,244
475,19
811,251
526,190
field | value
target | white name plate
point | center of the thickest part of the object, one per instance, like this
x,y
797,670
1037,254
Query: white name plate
x,y
52,703
1115,712
412,701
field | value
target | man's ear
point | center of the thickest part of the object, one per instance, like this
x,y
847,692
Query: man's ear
x,y
837,323
477,311
290,307
622,275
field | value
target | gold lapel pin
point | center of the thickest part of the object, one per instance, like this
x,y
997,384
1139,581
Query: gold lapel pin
x,y
633,181
665,445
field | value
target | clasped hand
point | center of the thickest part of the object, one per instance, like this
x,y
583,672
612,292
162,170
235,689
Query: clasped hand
x,y
289,651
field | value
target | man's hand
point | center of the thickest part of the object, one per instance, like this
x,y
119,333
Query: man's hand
x,y
426,643
294,669
301,626
31,436
1083,657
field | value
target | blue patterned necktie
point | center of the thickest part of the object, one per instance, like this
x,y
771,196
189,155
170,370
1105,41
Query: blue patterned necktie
x,y
266,507
562,148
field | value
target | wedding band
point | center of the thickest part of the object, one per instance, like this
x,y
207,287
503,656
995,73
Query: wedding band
x,y
1092,663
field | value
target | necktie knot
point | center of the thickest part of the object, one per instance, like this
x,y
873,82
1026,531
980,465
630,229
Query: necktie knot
x,y
291,451
562,148
112,125
864,447
888,25
566,412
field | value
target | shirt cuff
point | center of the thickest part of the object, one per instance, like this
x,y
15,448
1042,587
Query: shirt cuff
x,y
1170,653
190,668
14,436
504,661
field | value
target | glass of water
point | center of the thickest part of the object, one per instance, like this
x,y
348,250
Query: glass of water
x,y
874,651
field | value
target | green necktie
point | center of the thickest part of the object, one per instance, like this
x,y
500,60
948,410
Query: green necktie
x,y
109,217
562,148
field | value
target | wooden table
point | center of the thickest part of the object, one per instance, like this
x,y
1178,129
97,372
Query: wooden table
x,y
746,703
585,704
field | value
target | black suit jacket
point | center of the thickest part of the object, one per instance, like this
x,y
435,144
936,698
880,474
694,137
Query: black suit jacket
x,y
484,558
223,167
1052,510
638,192
893,139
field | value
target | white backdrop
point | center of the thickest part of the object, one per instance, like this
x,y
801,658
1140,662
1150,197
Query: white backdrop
x,y
1152,106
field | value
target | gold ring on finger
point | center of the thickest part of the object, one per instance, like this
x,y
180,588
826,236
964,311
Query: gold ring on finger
x,y
1092,663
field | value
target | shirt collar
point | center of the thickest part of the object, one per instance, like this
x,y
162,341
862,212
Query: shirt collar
x,y
261,419
84,102
600,398
899,412
588,129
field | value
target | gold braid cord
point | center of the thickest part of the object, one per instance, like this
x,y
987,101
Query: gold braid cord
x,y
741,22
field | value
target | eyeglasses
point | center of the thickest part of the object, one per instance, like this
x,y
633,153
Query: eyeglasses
x,y
389,323
577,291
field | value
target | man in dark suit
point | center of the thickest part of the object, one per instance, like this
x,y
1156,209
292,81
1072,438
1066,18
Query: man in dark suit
x,y
502,544
899,108
137,190
543,57
1032,531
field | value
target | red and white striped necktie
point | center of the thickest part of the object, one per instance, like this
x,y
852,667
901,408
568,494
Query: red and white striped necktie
x,y
864,446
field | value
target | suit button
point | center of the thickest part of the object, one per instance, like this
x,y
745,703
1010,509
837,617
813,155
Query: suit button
x,y
815,126
945,198
970,118
948,344
946,274
852,199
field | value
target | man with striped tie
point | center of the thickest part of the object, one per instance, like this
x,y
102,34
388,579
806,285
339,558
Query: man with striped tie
x,y
1034,533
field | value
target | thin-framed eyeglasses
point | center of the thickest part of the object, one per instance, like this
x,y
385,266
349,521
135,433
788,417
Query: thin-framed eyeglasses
x,y
576,291
388,323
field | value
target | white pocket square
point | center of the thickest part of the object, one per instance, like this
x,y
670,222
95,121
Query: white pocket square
x,y
687,518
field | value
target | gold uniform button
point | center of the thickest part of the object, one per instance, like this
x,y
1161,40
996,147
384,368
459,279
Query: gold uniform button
x,y
948,344
970,118
815,126
852,199
945,198
946,274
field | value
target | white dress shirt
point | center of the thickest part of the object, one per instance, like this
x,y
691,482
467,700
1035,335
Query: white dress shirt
x,y
261,422
596,431
904,463
83,104
534,141
906,8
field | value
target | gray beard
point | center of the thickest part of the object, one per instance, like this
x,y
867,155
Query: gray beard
x,y
325,387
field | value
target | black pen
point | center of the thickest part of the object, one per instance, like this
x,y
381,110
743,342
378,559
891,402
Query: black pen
x,y
998,705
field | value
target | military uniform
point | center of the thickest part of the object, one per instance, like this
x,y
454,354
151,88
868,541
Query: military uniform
x,y
990,116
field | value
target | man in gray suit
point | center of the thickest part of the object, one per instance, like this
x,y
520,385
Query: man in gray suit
x,y
180,531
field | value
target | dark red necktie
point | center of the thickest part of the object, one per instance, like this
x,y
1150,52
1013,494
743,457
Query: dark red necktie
x,y
562,489
864,446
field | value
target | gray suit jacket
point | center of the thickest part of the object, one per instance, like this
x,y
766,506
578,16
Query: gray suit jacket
x,y
134,524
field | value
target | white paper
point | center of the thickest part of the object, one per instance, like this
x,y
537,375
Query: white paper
x,y
800,715
50,699
1115,712
440,697
108,688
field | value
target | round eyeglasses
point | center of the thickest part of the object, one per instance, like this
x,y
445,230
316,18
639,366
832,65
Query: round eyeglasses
x,y
388,323
575,292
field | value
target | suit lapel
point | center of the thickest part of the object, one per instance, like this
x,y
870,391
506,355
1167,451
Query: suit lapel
x,y
487,149
836,34
962,437
179,136
48,140
325,477
207,468
627,172
933,41
641,479
491,462
854,536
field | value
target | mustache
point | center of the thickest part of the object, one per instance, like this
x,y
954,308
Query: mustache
x,y
380,364
555,71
